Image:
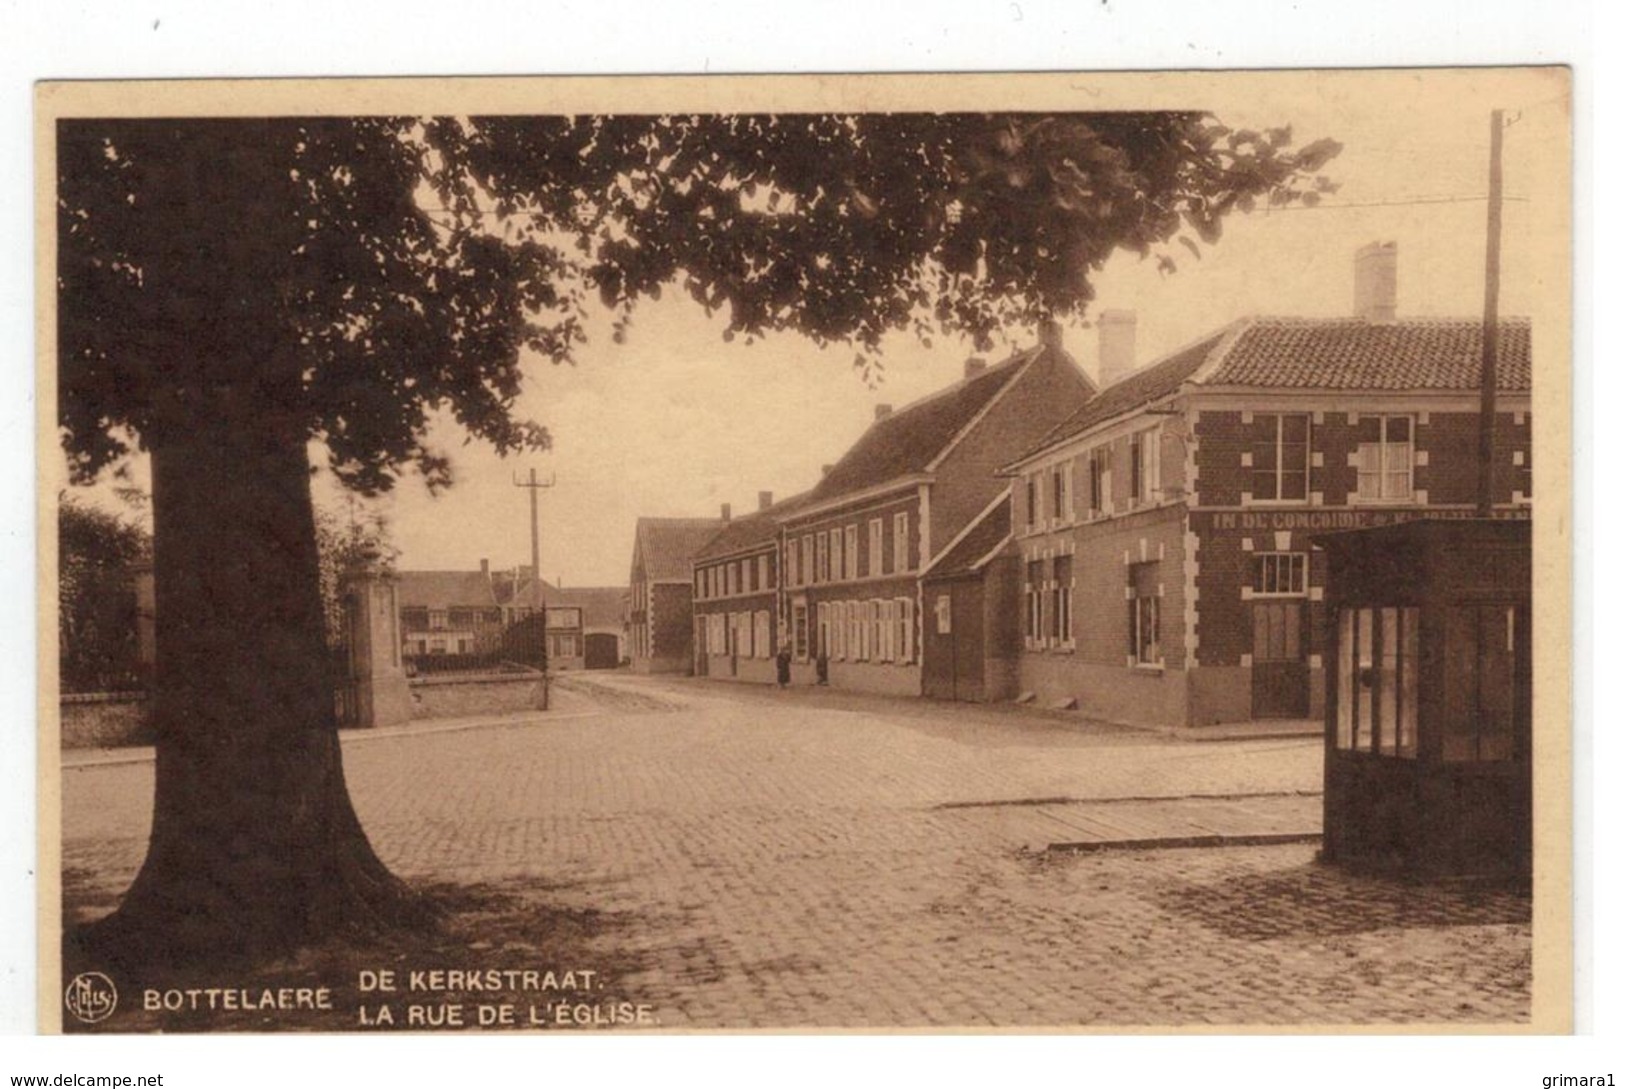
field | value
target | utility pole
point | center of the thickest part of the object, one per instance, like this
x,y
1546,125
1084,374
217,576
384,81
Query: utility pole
x,y
537,600
1492,330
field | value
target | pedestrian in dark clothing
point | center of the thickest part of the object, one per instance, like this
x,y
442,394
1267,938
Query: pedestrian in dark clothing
x,y
784,666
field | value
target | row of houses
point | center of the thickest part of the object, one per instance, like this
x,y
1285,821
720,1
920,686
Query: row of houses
x,y
1140,550
463,615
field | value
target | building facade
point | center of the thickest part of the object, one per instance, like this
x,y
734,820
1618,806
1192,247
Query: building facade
x,y
448,613
1164,530
853,551
586,626
661,616
970,633
739,619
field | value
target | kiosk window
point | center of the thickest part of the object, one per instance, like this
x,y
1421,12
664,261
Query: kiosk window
x,y
1378,657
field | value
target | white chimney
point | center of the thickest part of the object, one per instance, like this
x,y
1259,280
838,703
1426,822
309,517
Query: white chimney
x,y
1376,281
1117,329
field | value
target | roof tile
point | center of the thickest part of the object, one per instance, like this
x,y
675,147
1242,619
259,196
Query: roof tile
x,y
1352,354
984,536
668,545
1410,354
912,437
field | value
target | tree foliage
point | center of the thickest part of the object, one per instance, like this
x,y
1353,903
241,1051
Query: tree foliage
x,y
96,602
347,539
349,274
231,289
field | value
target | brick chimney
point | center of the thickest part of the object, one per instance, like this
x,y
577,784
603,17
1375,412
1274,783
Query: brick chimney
x,y
764,500
727,512
485,569
881,412
1376,281
1049,333
974,366
1117,328
824,470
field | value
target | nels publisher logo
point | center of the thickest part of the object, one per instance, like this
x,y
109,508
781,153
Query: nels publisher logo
x,y
91,997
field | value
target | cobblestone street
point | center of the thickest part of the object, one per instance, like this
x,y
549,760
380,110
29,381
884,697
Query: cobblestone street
x,y
786,860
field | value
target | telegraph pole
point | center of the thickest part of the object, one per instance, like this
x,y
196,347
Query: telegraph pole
x,y
537,600
1492,331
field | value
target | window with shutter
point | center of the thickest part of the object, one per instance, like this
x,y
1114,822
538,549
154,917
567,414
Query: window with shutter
x,y
1061,610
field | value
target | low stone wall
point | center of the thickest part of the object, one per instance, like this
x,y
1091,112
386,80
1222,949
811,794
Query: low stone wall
x,y
488,694
106,720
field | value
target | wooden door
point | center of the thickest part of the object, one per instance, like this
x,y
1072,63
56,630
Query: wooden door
x,y
1280,660
969,651
602,651
937,664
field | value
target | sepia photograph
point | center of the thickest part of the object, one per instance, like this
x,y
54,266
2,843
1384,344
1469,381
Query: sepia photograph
x,y
962,553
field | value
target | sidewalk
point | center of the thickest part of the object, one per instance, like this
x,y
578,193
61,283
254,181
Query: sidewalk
x,y
842,699
144,754
1201,820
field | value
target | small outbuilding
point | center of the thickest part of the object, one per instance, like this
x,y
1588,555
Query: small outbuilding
x,y
1428,697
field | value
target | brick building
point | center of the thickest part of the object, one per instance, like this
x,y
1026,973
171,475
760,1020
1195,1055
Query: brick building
x,y
448,612
660,621
739,616
853,549
1164,529
593,626
970,632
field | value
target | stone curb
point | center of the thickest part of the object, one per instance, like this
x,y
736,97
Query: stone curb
x,y
1163,843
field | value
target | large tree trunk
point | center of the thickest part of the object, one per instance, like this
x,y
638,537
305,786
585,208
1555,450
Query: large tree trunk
x,y
255,845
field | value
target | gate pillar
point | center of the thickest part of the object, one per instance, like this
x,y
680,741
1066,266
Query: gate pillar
x,y
372,617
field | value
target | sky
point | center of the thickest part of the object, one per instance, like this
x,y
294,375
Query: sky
x,y
675,422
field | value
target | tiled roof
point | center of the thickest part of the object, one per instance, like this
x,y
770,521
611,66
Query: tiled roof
x,y
1348,353
752,530
1142,387
667,545
983,538
601,606
513,586
1410,354
911,438
444,589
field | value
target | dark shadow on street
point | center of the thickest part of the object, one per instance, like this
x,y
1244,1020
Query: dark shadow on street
x,y
499,927
1321,901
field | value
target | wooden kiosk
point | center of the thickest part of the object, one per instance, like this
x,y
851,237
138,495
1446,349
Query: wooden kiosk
x,y
1428,702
